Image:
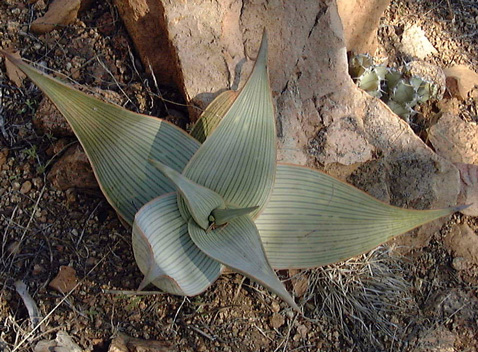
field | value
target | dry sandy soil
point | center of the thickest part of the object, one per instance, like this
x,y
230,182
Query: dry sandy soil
x,y
423,301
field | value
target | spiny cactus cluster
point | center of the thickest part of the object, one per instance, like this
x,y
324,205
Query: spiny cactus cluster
x,y
400,90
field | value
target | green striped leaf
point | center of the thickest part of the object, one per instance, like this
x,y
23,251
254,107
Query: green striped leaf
x,y
119,143
213,114
313,219
165,253
222,216
200,201
238,160
238,246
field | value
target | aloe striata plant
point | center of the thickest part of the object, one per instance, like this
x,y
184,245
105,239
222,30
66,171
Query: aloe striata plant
x,y
225,202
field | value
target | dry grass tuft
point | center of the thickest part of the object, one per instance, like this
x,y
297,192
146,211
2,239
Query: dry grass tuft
x,y
362,295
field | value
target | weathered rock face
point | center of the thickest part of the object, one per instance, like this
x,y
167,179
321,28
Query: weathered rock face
x,y
360,19
469,188
323,118
144,20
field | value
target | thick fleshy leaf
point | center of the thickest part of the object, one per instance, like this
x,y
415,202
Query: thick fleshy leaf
x,y
238,160
165,253
199,201
119,143
238,246
222,216
213,114
313,219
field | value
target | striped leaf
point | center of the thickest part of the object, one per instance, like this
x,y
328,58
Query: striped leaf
x,y
119,143
313,219
238,246
165,253
199,201
238,160
222,216
213,114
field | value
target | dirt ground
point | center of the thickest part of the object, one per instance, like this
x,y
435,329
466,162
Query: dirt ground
x,y
381,301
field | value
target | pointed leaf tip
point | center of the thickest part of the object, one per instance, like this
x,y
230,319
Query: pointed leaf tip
x,y
238,160
118,143
261,59
200,201
461,207
341,221
238,246
222,216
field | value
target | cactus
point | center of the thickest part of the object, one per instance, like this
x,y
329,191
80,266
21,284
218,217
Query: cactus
x,y
400,90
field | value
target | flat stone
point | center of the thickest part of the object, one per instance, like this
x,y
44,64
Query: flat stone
x,y
277,320
462,242
125,343
60,13
455,139
73,170
414,42
65,280
62,343
26,187
461,80
344,142
144,21
460,263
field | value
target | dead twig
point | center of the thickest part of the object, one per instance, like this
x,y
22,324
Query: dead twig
x,y
32,308
17,347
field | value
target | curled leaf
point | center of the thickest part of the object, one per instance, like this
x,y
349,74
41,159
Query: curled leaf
x,y
165,253
200,201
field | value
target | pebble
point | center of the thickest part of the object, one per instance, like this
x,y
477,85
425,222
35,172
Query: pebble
x,y
302,330
275,307
459,263
277,320
91,261
37,182
26,187
70,196
37,269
